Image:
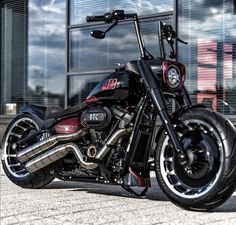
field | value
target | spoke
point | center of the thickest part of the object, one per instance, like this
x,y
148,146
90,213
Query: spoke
x,y
169,159
172,172
187,191
16,135
22,128
20,171
177,184
11,156
29,124
16,164
200,190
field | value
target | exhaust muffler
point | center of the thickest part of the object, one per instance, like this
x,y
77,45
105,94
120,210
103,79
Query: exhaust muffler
x,y
48,143
61,151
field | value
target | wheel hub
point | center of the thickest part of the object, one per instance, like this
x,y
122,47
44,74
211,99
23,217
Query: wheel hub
x,y
202,151
202,159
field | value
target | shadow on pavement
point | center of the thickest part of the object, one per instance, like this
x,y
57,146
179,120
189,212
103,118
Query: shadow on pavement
x,y
154,193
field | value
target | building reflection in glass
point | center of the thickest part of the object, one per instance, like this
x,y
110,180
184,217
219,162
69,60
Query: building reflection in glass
x,y
46,52
210,30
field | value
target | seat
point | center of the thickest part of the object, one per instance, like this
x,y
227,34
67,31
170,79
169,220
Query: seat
x,y
67,112
43,111
132,67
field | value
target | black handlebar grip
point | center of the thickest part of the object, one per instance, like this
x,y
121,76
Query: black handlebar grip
x,y
94,18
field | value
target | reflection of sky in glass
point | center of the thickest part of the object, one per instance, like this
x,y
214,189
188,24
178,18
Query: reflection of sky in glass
x,y
46,50
81,86
210,29
119,46
82,8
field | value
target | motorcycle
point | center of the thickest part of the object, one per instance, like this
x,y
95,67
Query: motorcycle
x,y
112,137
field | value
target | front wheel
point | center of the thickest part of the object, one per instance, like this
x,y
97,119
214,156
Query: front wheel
x,y
209,177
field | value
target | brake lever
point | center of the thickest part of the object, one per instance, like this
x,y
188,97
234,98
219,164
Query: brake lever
x,y
181,41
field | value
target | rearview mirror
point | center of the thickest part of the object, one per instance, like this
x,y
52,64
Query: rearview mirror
x,y
98,34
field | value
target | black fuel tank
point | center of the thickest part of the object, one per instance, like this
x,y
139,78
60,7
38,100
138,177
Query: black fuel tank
x,y
114,87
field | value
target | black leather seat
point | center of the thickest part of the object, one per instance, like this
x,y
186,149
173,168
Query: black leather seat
x,y
67,112
132,67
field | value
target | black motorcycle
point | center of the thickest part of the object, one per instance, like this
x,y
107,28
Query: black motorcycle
x,y
112,137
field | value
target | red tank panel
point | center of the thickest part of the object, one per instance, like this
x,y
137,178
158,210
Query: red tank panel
x,y
68,126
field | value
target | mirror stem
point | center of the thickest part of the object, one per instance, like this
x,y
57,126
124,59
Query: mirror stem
x,y
113,25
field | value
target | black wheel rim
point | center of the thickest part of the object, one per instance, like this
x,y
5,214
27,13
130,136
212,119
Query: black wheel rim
x,y
18,130
204,149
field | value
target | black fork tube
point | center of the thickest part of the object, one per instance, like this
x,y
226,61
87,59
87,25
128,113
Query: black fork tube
x,y
157,97
139,37
186,99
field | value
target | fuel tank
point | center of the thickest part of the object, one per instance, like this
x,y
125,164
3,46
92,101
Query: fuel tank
x,y
119,86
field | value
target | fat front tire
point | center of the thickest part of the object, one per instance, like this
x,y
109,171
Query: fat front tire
x,y
20,127
209,179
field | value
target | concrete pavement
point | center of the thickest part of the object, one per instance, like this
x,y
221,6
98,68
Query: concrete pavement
x,y
82,203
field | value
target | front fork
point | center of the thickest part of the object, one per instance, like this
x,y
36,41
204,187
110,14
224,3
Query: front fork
x,y
158,99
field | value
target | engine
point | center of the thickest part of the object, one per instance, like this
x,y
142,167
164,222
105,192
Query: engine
x,y
97,118
101,123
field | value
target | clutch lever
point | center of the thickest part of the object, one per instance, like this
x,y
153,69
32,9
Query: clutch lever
x,y
181,41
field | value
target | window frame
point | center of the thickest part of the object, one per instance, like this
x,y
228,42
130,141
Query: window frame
x,y
177,4
69,27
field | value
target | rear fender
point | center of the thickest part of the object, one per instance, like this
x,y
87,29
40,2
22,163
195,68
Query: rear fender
x,y
36,113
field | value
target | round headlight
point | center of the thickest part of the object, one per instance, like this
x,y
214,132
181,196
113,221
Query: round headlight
x,y
173,74
173,77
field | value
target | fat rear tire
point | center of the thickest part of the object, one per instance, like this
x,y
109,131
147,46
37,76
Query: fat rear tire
x,y
226,182
35,180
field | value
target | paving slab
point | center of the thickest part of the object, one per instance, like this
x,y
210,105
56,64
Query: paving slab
x,y
88,203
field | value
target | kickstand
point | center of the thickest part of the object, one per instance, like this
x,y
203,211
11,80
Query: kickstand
x,y
129,189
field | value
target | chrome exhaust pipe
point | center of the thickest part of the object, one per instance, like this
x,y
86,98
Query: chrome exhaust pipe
x,y
55,154
37,148
61,151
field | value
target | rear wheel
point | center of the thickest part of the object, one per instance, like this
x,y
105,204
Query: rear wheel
x,y
21,127
209,178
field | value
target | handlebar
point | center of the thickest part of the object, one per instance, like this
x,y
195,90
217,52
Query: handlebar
x,y
110,17
94,18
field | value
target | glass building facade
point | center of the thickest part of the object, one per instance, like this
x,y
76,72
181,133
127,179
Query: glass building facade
x,y
210,56
48,56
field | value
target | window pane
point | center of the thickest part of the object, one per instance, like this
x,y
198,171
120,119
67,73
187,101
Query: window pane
x,y
79,9
32,54
13,56
210,57
81,86
119,46
46,52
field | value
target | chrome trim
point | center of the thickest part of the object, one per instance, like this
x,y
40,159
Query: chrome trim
x,y
61,151
50,142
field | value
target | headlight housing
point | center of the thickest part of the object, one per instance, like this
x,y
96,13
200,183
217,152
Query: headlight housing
x,y
173,74
173,77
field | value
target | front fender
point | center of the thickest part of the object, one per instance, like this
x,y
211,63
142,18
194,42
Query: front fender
x,y
176,115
